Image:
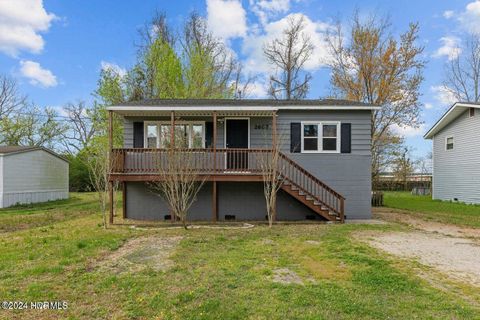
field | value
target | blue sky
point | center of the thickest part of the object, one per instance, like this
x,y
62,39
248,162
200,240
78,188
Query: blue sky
x,y
56,48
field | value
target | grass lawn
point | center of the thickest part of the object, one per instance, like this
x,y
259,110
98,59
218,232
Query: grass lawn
x,y
441,211
217,274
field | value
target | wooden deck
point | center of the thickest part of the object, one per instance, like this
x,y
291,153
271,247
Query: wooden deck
x,y
238,165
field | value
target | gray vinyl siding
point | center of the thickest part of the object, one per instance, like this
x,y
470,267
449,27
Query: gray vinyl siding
x,y
33,176
349,174
456,173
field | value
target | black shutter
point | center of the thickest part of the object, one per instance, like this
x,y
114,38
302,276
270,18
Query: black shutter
x,y
346,136
138,134
295,137
209,134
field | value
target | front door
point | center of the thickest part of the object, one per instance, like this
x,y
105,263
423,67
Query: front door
x,y
237,138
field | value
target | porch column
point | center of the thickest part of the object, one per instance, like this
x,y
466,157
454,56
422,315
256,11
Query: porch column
x,y
274,129
275,148
110,163
172,129
172,146
214,190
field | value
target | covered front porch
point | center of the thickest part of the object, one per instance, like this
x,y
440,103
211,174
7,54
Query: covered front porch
x,y
225,145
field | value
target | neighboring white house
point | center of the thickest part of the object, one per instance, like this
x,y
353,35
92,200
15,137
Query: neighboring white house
x,y
31,174
456,154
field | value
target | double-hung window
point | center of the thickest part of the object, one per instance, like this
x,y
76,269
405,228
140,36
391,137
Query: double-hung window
x,y
186,135
320,137
449,143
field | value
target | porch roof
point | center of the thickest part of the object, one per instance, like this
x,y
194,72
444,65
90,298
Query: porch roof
x,y
230,107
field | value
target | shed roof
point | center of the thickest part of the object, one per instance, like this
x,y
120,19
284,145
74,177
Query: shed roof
x,y
8,150
456,110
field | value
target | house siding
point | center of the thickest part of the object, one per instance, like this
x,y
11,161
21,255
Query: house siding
x,y
456,173
34,176
347,173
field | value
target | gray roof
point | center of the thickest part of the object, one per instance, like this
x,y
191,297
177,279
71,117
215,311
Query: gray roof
x,y
7,150
243,102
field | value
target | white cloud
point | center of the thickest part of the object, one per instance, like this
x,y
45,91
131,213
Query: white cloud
x,y
226,18
428,106
450,48
448,14
21,22
470,18
253,44
37,75
266,9
443,95
105,65
408,131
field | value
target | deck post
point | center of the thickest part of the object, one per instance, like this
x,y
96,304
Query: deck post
x,y
274,149
124,200
110,164
214,190
172,146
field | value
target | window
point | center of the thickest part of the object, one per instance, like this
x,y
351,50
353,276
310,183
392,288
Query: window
x,y
472,112
449,143
187,135
152,135
320,137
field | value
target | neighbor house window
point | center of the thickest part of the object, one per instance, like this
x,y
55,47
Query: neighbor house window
x,y
187,135
320,137
449,143
472,112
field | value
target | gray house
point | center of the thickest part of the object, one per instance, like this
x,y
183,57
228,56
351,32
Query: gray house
x,y
325,156
31,174
456,154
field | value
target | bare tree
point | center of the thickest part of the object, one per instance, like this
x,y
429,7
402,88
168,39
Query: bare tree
x,y
371,66
288,55
100,164
10,98
403,166
462,74
210,68
272,168
179,181
80,129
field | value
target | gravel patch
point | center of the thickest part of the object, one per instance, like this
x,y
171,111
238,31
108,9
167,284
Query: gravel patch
x,y
151,252
458,258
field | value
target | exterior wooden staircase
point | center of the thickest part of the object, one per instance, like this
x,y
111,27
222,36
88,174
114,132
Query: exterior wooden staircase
x,y
309,190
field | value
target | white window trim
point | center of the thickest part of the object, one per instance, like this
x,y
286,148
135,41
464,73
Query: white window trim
x,y
320,125
159,123
446,140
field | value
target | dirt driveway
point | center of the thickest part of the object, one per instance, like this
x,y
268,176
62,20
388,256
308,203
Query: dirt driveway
x,y
452,250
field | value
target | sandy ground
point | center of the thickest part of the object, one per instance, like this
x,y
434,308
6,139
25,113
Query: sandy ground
x,y
140,253
452,250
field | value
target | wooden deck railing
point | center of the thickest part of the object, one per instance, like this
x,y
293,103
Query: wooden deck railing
x,y
230,161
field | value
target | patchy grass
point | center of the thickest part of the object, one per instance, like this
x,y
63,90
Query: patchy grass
x,y
216,274
435,210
